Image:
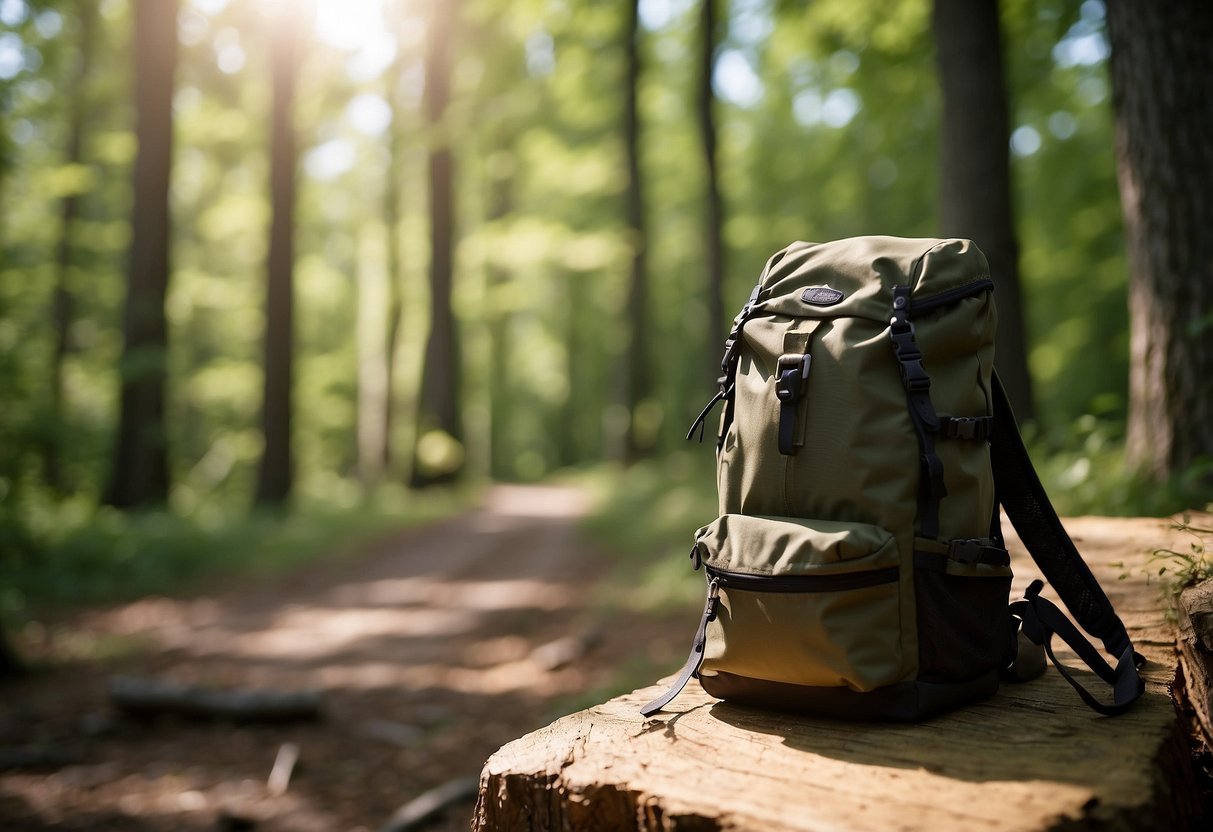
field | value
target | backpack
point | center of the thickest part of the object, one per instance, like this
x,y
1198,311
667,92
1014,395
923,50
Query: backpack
x,y
857,568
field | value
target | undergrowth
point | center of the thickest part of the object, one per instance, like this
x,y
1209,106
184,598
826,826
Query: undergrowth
x,y
1084,471
1179,569
63,553
645,517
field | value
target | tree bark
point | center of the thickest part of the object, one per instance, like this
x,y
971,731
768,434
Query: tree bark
x,y
62,303
395,260
276,474
638,383
140,474
1162,97
440,409
975,180
714,217
500,316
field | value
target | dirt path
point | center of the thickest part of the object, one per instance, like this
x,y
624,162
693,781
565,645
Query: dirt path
x,y
429,647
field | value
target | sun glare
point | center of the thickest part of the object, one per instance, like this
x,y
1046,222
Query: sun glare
x,y
350,24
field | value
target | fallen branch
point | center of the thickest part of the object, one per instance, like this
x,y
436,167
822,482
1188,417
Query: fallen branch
x,y
154,697
39,757
426,808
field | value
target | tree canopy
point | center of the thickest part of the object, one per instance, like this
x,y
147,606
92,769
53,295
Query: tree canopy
x,y
827,118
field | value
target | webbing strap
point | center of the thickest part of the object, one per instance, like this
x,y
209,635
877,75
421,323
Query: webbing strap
x,y
728,368
690,669
792,373
917,384
1042,620
1034,518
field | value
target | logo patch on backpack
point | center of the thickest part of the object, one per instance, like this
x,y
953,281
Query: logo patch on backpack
x,y
821,296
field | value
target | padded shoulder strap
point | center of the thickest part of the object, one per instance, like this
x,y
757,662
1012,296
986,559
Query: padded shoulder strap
x,y
1028,507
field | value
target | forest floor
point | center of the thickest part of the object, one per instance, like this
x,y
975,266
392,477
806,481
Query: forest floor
x,y
432,648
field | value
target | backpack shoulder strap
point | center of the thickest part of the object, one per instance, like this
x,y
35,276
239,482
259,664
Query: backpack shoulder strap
x,y
1027,505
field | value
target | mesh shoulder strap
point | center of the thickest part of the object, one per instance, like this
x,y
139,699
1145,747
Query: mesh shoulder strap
x,y
1034,518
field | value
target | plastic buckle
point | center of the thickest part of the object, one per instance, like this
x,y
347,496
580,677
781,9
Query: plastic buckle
x,y
966,551
793,369
914,375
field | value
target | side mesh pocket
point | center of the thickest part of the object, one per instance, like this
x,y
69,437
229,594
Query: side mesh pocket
x,y
962,613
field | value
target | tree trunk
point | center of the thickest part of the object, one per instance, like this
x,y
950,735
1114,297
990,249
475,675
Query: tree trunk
x,y
395,265
86,16
975,180
439,417
500,315
1162,97
275,476
140,475
370,341
638,441
714,219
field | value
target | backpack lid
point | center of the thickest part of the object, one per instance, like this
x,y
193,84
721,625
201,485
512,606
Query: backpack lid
x,y
855,277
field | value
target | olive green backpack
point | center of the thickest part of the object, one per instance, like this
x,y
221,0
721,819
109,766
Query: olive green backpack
x,y
857,568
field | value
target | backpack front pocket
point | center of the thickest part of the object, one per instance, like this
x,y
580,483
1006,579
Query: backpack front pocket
x,y
803,602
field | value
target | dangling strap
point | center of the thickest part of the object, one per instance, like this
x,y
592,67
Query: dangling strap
x,y
728,369
691,669
1042,620
1034,518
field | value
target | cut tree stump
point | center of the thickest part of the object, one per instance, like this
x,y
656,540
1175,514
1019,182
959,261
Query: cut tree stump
x,y
1033,757
1195,610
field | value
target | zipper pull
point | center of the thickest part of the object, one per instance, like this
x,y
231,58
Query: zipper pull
x,y
696,558
709,611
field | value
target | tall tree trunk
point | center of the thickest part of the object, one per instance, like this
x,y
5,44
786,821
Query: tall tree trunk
x,y
714,218
1162,96
86,17
975,180
276,473
370,338
638,442
440,461
395,262
139,476
501,198
395,297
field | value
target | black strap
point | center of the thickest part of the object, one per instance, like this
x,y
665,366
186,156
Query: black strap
x,y
691,668
917,384
792,374
1042,620
728,368
1034,518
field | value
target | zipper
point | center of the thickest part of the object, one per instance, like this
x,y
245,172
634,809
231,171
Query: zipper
x,y
803,583
951,295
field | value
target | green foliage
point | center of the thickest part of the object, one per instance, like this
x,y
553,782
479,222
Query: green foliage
x,y
1183,569
646,516
1083,470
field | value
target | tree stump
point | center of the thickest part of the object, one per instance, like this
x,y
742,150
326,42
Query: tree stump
x,y
1195,610
1032,757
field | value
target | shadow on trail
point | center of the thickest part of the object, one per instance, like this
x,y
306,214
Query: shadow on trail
x,y
428,646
